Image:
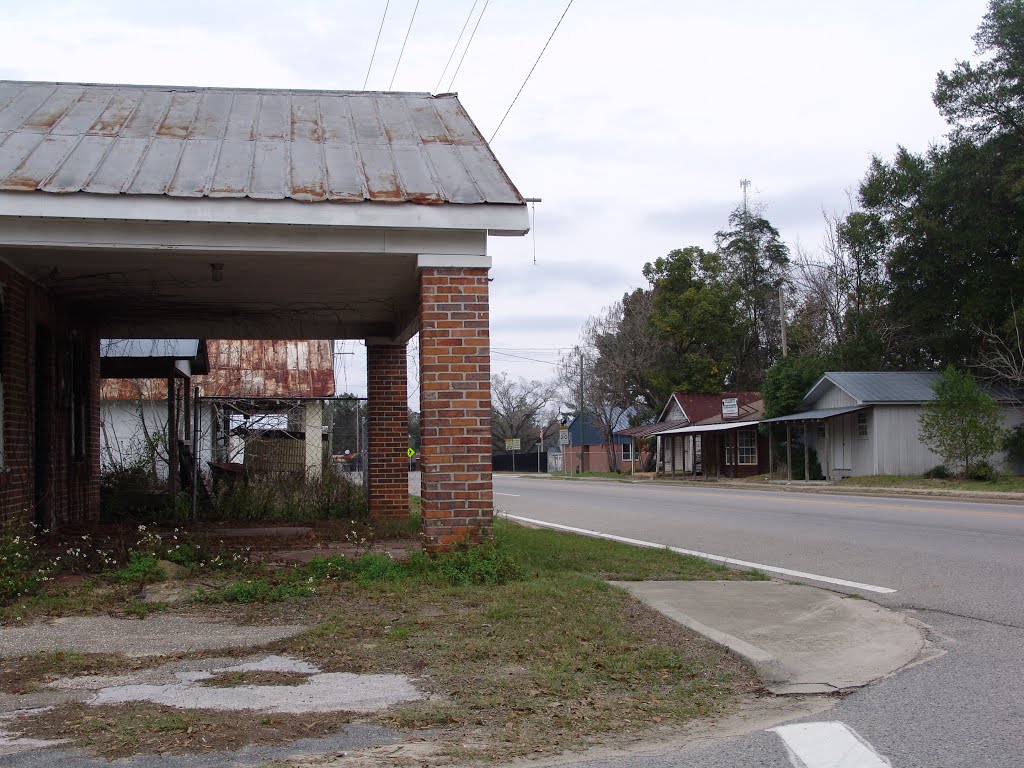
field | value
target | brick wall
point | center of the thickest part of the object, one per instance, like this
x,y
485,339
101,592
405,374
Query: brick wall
x,y
72,487
455,406
387,425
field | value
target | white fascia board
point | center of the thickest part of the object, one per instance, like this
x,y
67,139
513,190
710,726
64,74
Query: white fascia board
x,y
496,219
113,234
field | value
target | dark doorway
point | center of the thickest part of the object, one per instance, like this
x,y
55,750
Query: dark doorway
x,y
43,425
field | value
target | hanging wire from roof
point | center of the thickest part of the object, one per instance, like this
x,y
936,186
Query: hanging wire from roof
x,y
406,40
374,54
468,43
528,74
456,46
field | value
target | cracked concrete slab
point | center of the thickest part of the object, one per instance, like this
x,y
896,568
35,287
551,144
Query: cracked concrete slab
x,y
180,685
153,636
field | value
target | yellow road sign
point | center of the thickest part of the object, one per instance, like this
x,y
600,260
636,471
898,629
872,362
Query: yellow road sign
x,y
410,453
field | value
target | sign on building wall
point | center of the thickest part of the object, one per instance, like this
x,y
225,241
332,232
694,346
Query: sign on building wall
x,y
730,407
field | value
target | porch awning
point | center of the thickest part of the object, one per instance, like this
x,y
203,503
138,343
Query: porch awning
x,y
720,427
818,415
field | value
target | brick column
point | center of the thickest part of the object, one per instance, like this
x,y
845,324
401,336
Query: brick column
x,y
387,424
455,406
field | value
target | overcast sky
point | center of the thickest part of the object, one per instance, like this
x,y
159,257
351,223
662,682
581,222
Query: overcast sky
x,y
635,129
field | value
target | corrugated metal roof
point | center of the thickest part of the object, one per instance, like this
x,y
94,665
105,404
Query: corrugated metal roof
x,y
879,386
268,369
341,146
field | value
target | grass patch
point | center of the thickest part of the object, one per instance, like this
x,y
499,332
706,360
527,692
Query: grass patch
x,y
1004,484
254,677
23,674
547,552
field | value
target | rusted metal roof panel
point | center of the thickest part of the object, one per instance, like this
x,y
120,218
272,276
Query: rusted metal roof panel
x,y
273,144
263,368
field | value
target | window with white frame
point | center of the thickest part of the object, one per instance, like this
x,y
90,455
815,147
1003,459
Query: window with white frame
x,y
627,451
748,440
862,424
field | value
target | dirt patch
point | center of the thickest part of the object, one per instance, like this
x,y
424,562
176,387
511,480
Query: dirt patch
x,y
133,729
254,677
24,674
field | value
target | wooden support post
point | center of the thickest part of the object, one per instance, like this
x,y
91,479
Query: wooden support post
x,y
789,451
807,455
172,439
771,454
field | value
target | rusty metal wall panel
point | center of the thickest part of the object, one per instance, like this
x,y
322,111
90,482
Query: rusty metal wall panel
x,y
247,368
193,142
133,389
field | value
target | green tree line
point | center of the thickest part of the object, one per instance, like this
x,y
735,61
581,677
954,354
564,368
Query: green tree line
x,y
924,271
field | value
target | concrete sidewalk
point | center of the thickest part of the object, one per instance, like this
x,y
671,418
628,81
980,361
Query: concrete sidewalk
x,y
799,639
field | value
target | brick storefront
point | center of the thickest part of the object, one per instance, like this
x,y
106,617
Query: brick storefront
x,y
49,369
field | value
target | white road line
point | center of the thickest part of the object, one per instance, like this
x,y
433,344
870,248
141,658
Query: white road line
x,y
828,745
496,493
704,555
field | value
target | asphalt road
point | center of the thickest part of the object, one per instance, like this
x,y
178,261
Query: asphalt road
x,y
956,566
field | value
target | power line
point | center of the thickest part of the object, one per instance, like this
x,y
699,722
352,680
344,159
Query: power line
x,y
374,54
402,52
455,47
468,43
521,357
528,74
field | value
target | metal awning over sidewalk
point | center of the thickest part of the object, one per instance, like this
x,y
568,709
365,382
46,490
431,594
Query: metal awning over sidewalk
x,y
819,415
719,427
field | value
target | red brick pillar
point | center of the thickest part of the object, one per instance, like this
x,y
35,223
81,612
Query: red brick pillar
x,y
387,424
455,406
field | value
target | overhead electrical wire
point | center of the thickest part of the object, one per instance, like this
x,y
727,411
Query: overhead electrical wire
x,y
374,54
455,47
402,52
468,43
528,74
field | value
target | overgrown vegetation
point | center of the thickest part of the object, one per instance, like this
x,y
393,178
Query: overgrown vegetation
x,y
521,643
273,498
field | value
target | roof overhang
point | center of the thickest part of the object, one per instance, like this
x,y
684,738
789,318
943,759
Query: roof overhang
x,y
721,427
820,414
490,218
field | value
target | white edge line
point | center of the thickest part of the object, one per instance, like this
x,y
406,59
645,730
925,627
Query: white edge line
x,y
703,555
496,493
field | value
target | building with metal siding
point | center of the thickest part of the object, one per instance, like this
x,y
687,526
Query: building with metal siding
x,y
867,423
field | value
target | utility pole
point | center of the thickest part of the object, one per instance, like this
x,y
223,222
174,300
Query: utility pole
x,y
744,184
782,320
583,424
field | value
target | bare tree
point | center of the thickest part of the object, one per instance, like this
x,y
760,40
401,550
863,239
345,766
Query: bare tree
x,y
520,409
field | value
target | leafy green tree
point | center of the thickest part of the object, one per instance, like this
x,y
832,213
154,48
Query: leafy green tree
x,y
963,423
953,218
789,380
757,261
694,312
